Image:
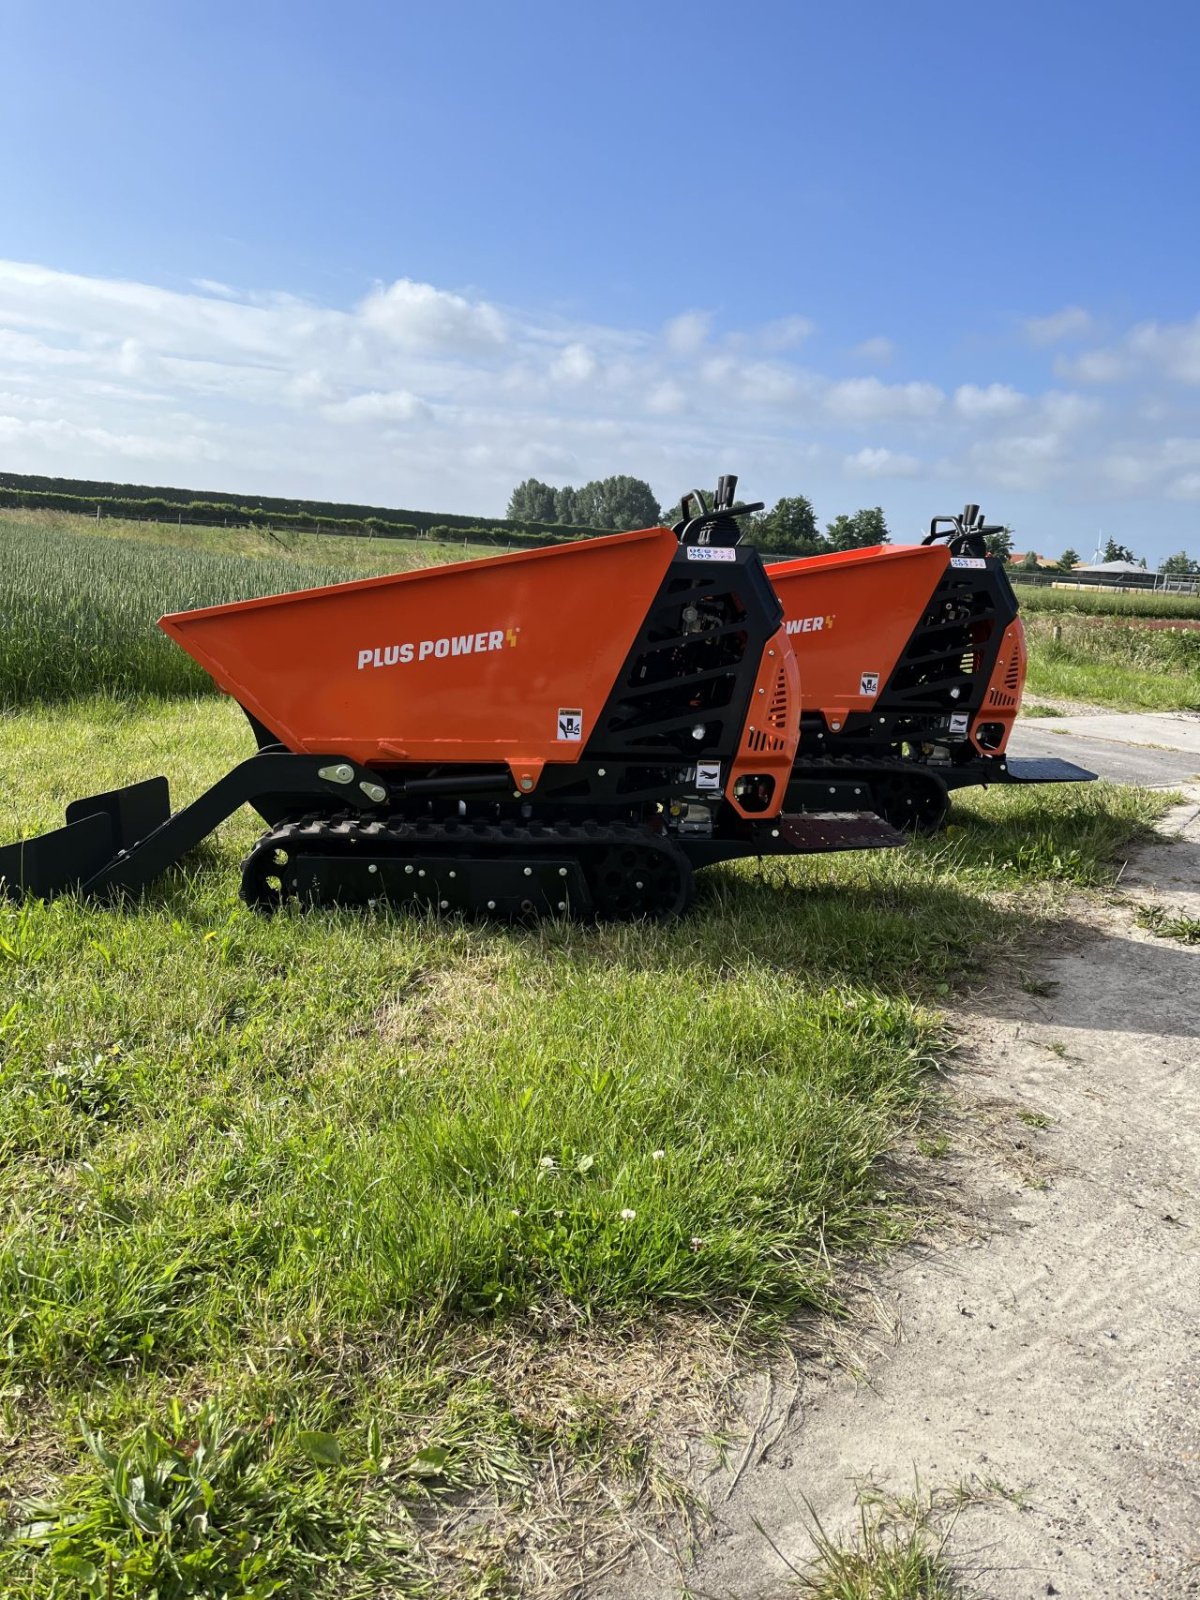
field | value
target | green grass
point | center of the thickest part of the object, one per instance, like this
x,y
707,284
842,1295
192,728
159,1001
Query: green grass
x,y
1132,669
287,1206
79,601
1169,925
1099,602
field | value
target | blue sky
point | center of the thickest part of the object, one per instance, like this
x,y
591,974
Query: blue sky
x,y
411,254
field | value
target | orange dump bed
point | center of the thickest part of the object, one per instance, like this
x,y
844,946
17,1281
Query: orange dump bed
x,y
505,659
849,617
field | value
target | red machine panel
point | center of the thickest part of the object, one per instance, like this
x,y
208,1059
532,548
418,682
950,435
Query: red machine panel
x,y
505,659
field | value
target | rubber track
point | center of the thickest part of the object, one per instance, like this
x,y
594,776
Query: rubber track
x,y
397,837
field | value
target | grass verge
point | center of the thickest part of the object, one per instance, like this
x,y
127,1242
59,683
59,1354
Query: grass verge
x,y
1131,669
309,1225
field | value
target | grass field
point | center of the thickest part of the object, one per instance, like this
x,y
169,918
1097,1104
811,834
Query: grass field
x,y
310,1225
1133,669
290,1206
1098,603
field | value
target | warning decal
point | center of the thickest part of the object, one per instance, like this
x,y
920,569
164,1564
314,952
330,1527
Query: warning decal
x,y
711,552
958,722
570,724
869,683
708,775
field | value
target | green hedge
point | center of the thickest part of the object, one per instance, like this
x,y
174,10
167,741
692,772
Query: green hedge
x,y
318,516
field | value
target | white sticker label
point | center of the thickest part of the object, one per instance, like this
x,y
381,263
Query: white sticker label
x,y
869,683
967,561
958,722
711,552
708,775
570,724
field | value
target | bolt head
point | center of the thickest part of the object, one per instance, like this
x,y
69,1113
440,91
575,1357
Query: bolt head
x,y
527,783
408,869
529,872
372,868
491,905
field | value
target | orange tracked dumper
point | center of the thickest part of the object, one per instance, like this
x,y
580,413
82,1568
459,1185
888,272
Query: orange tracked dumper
x,y
912,660
573,729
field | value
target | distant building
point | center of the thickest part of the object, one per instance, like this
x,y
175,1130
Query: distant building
x,y
1117,569
1019,558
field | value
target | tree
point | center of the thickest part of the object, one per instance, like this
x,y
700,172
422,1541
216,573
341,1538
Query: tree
x,y
1118,552
617,502
670,515
999,543
1068,560
1029,561
566,504
1179,565
531,501
865,527
789,528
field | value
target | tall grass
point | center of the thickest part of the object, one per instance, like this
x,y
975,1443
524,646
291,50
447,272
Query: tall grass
x,y
78,616
1102,603
1136,669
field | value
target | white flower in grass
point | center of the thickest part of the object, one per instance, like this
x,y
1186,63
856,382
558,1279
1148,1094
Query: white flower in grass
x,y
547,1163
696,1242
657,1155
627,1215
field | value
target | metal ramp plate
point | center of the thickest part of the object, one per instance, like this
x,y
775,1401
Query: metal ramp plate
x,y
1046,769
55,861
815,831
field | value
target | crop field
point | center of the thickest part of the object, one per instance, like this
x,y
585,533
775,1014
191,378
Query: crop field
x,y
312,1226
79,602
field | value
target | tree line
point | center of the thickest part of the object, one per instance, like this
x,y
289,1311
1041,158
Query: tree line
x,y
788,528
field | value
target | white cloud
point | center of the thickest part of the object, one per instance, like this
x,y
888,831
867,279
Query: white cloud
x,y
882,463
443,400
879,350
1168,350
870,400
684,335
1173,348
422,317
996,400
396,405
1072,322
1018,461
666,399
575,364
1094,366
786,333
1063,410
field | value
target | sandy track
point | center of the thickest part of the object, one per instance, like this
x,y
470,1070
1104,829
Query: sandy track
x,y
1044,1346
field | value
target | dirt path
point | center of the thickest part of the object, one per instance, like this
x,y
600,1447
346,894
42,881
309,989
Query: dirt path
x,y
1044,1348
